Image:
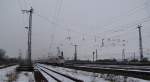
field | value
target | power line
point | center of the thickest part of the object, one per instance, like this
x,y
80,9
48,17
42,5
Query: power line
x,y
21,8
58,9
132,11
45,18
25,3
123,30
128,27
30,3
129,13
57,12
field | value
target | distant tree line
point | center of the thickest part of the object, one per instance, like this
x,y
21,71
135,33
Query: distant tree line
x,y
5,59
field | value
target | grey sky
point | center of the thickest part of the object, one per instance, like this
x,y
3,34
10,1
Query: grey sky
x,y
82,20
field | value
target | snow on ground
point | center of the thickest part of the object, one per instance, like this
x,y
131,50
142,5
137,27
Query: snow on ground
x,y
9,74
94,77
60,77
2,66
25,77
78,74
130,79
50,79
6,72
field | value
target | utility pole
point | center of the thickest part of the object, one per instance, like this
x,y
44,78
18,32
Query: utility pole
x,y
140,43
96,54
134,56
29,35
58,51
123,54
103,42
62,54
75,54
20,55
93,56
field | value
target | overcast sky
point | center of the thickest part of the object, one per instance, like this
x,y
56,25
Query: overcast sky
x,y
83,22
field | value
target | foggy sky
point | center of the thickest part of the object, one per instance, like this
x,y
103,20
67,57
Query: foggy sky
x,y
87,22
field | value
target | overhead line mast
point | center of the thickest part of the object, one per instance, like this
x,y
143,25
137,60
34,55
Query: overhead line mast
x,y
27,66
140,43
29,35
75,54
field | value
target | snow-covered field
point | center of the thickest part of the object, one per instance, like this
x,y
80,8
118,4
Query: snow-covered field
x,y
94,77
10,75
25,77
7,74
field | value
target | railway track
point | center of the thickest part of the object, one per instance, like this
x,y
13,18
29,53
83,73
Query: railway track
x,y
57,76
5,66
143,68
136,73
